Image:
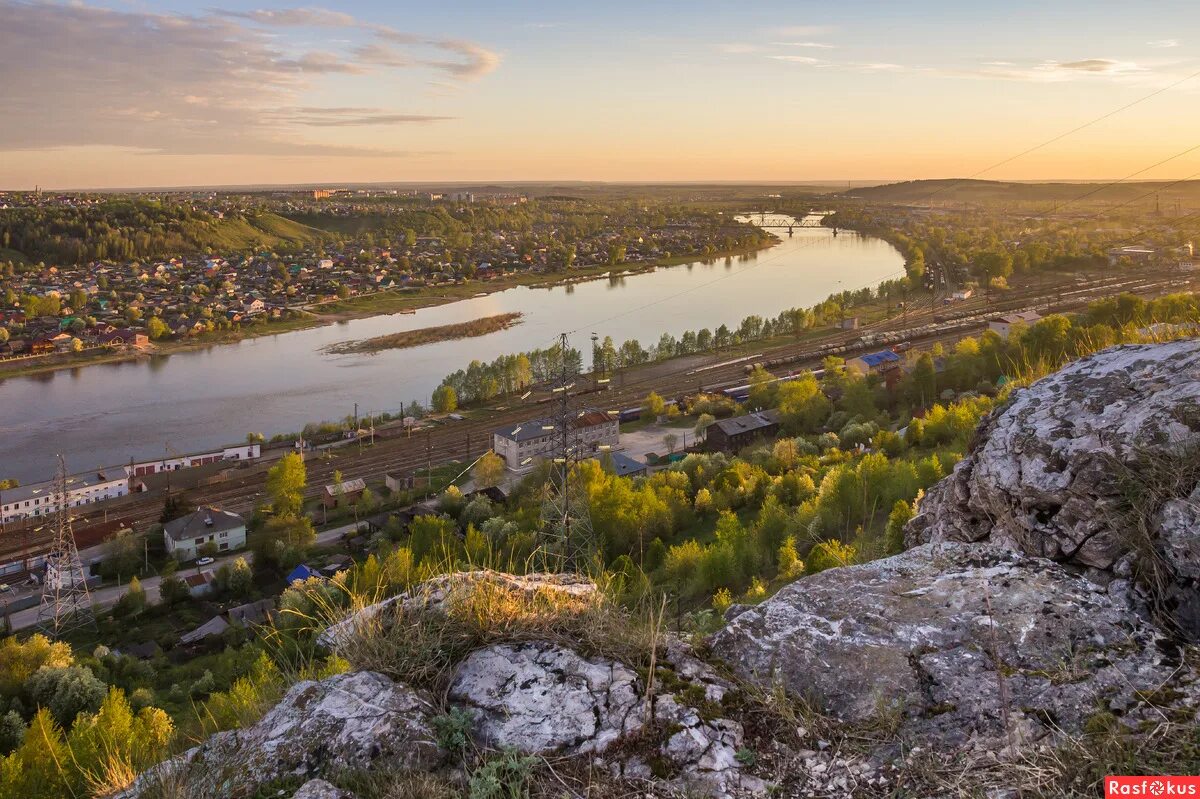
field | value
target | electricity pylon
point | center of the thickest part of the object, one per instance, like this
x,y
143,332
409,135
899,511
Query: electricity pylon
x,y
66,604
569,540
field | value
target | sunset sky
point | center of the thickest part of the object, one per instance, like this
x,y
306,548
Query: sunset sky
x,y
126,94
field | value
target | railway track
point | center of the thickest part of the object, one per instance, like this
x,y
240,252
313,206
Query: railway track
x,y
466,440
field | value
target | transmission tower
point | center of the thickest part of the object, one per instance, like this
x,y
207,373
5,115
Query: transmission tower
x,y
566,523
66,604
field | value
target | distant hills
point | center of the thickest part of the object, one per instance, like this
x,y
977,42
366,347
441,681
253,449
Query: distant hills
x,y
992,191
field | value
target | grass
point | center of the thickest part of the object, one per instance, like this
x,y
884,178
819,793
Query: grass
x,y
426,335
1147,482
422,646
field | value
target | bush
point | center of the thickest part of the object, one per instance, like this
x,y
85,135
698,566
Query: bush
x,y
829,555
66,692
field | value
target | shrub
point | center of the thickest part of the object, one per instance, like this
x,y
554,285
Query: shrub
x,y
829,555
66,692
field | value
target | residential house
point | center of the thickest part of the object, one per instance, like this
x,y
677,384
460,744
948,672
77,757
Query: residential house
x,y
521,444
1002,325
184,536
873,362
347,492
199,584
731,435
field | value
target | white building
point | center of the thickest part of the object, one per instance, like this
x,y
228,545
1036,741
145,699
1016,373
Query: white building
x,y
242,452
185,536
38,499
521,444
1002,325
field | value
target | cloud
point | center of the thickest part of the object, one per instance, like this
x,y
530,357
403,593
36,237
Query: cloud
x,y
796,59
321,63
349,117
818,45
803,30
294,17
1163,44
476,61
79,75
1095,65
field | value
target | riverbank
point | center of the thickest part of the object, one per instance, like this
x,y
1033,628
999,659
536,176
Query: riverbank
x,y
425,335
376,304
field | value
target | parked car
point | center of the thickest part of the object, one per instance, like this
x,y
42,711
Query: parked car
x,y
204,561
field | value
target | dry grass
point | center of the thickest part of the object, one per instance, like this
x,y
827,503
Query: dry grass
x,y
421,643
1147,482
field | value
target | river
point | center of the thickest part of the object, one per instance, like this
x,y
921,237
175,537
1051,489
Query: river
x,y
103,414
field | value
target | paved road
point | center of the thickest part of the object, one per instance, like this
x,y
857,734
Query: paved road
x,y
107,596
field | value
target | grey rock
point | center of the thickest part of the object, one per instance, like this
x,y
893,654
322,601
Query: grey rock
x,y
959,640
1045,473
320,789
541,698
347,721
438,593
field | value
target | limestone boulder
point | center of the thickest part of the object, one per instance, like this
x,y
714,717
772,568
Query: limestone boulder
x,y
1050,473
970,646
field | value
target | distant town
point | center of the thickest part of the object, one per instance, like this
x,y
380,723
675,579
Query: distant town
x,y
289,255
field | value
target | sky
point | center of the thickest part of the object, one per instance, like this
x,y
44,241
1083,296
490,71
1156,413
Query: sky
x,y
118,93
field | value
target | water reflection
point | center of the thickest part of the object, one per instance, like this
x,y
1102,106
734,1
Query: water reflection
x,y
103,414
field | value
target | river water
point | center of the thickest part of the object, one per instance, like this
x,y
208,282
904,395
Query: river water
x,y
102,415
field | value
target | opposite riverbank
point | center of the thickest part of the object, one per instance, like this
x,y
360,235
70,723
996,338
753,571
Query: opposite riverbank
x,y
376,304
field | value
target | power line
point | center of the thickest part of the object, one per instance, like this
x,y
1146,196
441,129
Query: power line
x,y
1065,134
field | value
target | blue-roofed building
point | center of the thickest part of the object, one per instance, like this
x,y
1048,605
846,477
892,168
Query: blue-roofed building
x,y
874,362
625,466
301,573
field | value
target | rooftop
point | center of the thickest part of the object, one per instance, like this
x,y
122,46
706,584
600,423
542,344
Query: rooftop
x,y
77,482
878,358
748,423
205,521
537,428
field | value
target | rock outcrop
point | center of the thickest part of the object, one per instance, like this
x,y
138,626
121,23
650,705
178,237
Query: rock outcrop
x,y
1050,473
320,789
541,698
348,721
972,646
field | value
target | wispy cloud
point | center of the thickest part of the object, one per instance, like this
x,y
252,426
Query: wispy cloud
x,y
1163,44
1102,66
321,117
801,31
796,59
293,17
816,45
215,83
739,48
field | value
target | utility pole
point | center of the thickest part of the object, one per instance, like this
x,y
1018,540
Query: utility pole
x,y
66,603
566,523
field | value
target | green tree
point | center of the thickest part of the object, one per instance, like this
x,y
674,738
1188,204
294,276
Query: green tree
x,y
445,399
156,328
66,692
901,513
653,406
286,482
133,601
489,471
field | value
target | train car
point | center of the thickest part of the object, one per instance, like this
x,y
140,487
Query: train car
x,y
629,415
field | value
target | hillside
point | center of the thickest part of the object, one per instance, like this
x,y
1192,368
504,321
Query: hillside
x,y
989,191
125,230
